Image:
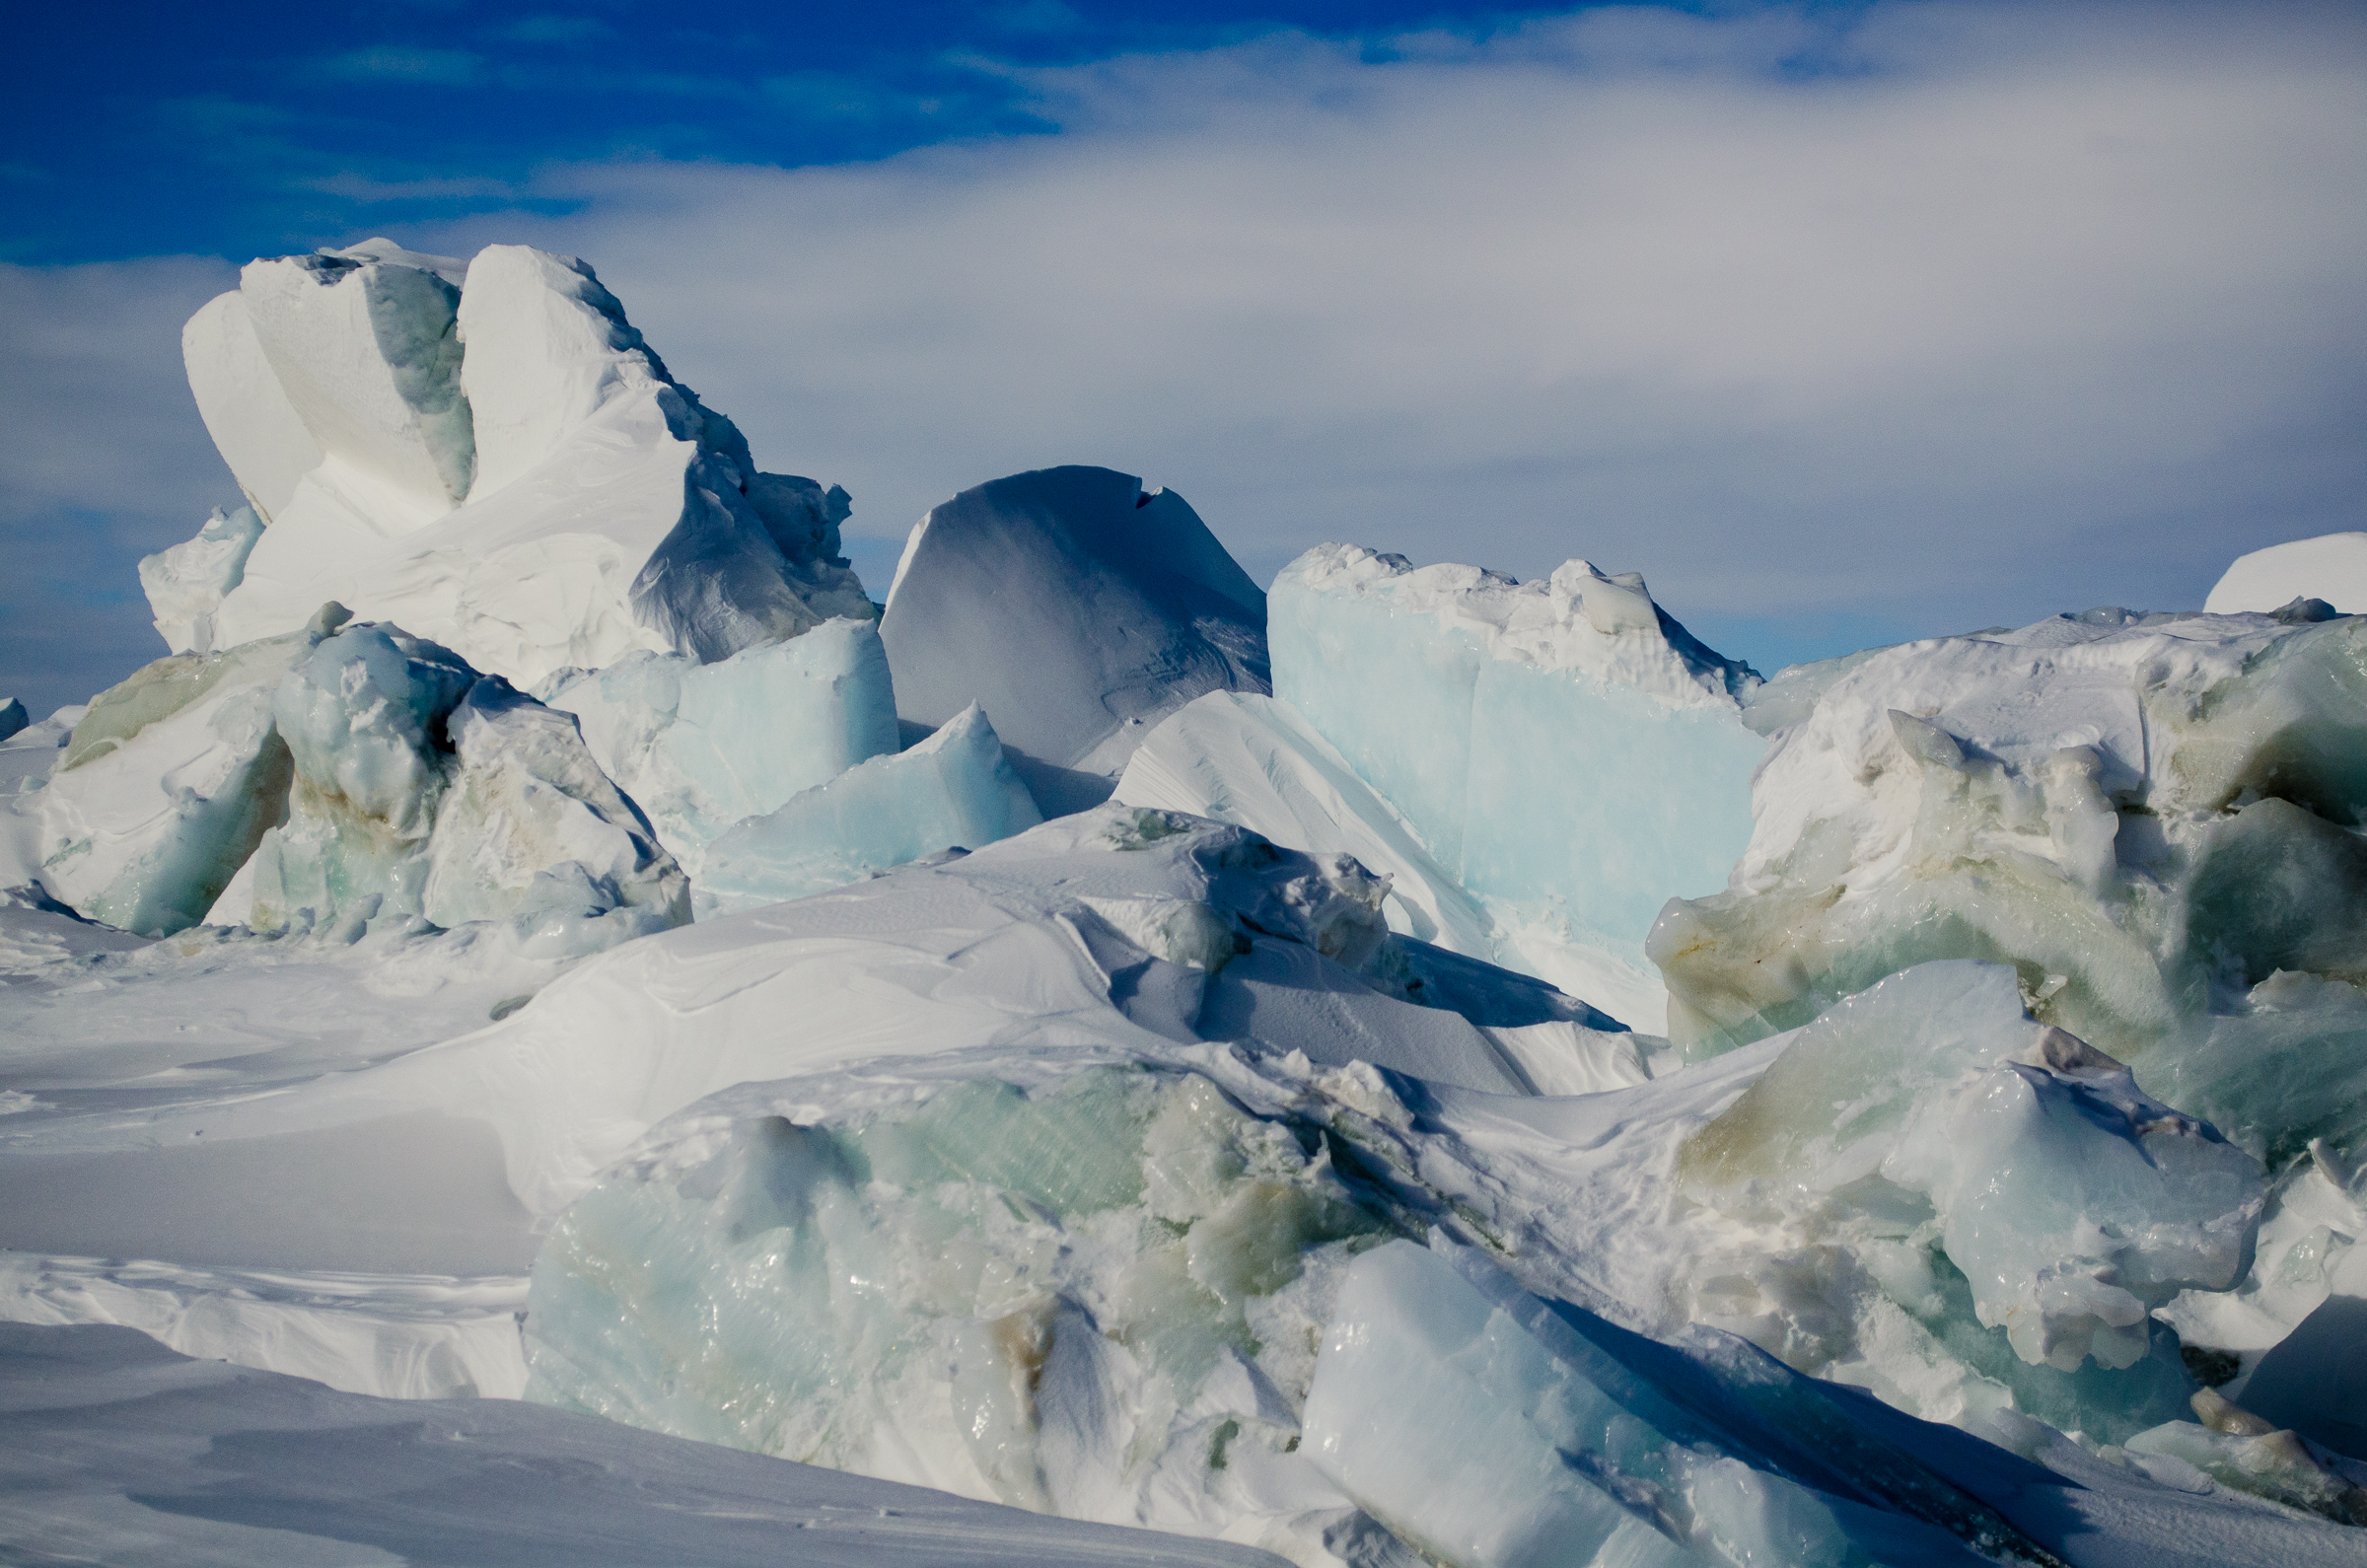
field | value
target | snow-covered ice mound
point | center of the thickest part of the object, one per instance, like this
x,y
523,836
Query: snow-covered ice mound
x,y
2332,568
1563,755
2151,817
1077,610
491,457
344,772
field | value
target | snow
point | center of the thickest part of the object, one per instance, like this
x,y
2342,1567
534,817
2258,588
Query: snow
x,y
116,1449
954,790
1480,708
1078,610
259,432
2332,567
506,469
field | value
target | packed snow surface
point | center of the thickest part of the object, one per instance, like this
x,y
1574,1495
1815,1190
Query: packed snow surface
x,y
1075,608
114,1450
2332,568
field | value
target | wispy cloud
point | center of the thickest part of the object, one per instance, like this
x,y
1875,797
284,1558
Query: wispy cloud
x,y
404,63
565,31
1959,316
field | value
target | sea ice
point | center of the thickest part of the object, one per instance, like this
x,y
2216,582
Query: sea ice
x,y
1565,751
953,790
703,747
504,467
421,788
1097,1296
167,784
185,584
1078,610
2332,567
2073,1203
2151,817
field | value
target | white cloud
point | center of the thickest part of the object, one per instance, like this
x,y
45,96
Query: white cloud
x,y
1960,316
1964,315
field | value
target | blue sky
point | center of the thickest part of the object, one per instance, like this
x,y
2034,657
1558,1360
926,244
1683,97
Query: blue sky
x,y
1842,324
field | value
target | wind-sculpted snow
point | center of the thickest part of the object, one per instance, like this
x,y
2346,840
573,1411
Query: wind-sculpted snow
x,y
503,466
954,790
704,746
1077,610
1565,751
2149,816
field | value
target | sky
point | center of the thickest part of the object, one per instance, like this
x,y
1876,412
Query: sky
x,y
1842,323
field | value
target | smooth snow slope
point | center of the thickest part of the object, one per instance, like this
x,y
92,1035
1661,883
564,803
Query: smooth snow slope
x,y
1077,610
2332,567
116,1451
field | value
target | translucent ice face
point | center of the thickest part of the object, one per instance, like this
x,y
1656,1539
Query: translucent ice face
x,y
1100,1298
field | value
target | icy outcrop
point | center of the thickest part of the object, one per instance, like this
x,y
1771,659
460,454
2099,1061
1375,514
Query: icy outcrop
x,y
954,790
2073,1202
700,748
1489,1427
421,788
12,717
2149,816
1568,753
169,782
2332,568
1098,1296
1077,610
187,582
502,466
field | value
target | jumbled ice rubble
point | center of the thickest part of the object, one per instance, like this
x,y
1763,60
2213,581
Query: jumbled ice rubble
x,y
1409,1065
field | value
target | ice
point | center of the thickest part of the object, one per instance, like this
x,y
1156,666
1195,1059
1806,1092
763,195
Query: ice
x,y
187,582
1078,610
700,748
1490,1428
1098,1296
2148,817
952,791
368,353
2313,1380
169,782
2332,568
257,431
12,717
506,469
2073,1202
1240,758
421,788
1479,709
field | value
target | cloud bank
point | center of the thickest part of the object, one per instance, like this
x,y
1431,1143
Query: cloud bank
x,y
1951,316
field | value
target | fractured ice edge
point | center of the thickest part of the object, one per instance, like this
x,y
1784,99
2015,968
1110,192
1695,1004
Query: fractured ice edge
x,y
542,888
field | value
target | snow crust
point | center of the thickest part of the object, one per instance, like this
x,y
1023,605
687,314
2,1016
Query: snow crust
x,y
1565,751
113,1449
503,466
954,790
1075,608
2332,568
